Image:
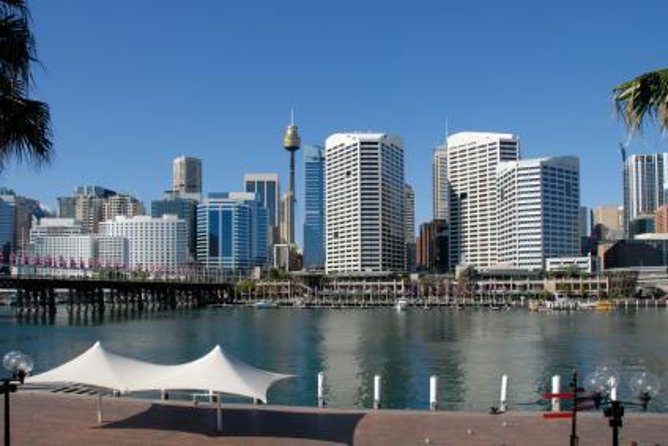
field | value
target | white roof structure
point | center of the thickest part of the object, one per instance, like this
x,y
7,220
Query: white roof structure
x,y
215,371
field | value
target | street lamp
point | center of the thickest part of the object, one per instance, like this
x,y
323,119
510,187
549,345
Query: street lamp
x,y
603,382
19,365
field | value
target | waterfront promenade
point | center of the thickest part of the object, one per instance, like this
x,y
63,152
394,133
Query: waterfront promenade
x,y
40,418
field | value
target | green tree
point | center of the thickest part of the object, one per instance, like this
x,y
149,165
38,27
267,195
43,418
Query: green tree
x,y
643,97
25,124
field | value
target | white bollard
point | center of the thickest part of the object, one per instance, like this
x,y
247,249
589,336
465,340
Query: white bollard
x,y
376,392
504,394
219,414
99,408
433,392
321,389
556,388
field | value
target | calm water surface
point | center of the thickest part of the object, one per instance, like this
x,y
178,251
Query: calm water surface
x,y
469,350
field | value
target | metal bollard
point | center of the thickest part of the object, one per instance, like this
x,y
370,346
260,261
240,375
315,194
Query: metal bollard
x,y
321,389
556,388
376,392
504,394
433,392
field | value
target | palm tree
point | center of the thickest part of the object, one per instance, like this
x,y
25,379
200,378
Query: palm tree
x,y
642,97
25,124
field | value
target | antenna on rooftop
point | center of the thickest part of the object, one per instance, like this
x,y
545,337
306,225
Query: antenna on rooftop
x,y
292,116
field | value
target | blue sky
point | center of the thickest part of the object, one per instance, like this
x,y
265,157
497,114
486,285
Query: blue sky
x,y
132,84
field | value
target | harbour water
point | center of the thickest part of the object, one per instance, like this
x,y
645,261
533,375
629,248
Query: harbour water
x,y
469,350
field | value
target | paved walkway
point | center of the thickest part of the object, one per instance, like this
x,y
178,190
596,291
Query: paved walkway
x,y
40,418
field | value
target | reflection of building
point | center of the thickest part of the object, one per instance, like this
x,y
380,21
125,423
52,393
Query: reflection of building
x,y
185,209
187,175
314,207
471,164
538,210
232,232
432,246
644,178
153,243
364,202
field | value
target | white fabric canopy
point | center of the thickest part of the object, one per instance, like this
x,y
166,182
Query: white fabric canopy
x,y
215,371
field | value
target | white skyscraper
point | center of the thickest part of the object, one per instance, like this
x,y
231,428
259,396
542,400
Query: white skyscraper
x,y
364,198
187,175
644,185
439,178
472,159
538,210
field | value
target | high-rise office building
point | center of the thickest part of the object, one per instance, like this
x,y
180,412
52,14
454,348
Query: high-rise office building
x,y
644,183
432,247
472,159
152,243
439,177
185,209
87,205
314,207
187,175
409,228
232,232
538,212
266,188
16,217
122,204
364,183
607,223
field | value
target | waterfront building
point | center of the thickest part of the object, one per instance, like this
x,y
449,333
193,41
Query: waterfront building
x,y
174,203
291,143
16,216
409,228
314,207
232,232
661,219
472,159
642,224
152,243
588,264
538,210
61,241
113,251
607,223
122,204
644,179
439,178
187,175
432,246
364,177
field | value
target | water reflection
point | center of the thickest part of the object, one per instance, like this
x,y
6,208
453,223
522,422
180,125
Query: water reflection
x,y
468,350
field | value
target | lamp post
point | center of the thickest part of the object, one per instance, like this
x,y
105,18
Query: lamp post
x,y
602,384
19,365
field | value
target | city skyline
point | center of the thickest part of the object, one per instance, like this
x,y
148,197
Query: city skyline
x,y
555,95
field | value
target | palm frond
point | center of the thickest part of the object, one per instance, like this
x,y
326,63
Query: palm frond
x,y
643,97
25,130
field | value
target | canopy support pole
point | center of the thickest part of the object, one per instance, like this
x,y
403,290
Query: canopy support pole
x,y
99,407
219,414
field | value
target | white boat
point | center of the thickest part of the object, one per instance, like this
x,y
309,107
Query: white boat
x,y
401,304
264,304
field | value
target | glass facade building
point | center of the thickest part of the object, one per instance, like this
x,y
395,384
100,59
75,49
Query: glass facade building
x,y
644,185
314,207
232,232
186,210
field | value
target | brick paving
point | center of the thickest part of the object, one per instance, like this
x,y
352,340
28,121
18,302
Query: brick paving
x,y
41,418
